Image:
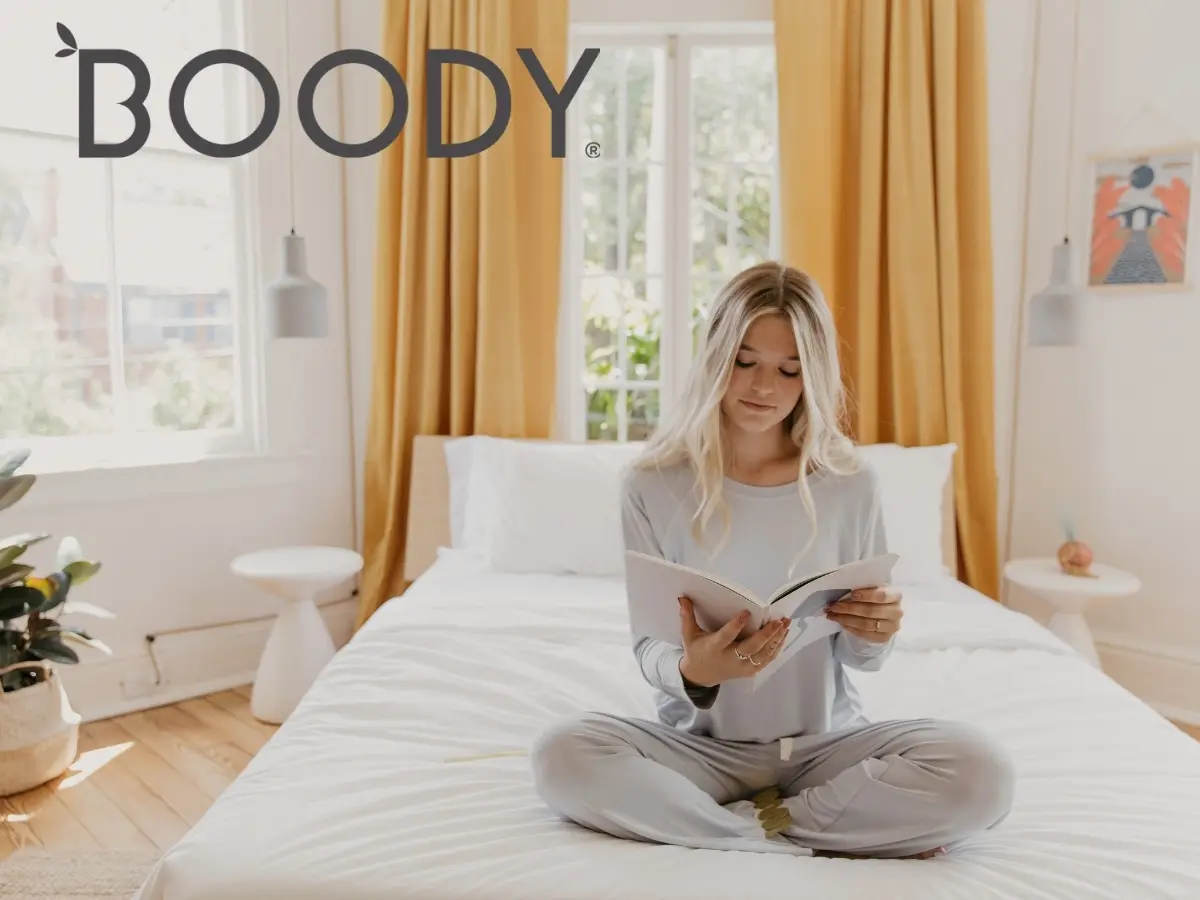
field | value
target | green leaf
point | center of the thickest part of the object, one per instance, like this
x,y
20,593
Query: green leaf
x,y
70,629
61,583
12,573
14,488
13,547
69,551
17,600
82,607
81,570
82,637
51,648
13,460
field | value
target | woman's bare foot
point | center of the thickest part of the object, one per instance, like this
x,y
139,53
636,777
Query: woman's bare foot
x,y
928,854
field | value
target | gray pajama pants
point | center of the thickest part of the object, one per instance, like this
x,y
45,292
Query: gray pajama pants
x,y
886,789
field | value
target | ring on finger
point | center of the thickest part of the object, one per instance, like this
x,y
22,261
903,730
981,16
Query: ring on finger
x,y
737,651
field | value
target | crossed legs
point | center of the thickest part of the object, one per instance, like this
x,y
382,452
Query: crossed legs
x,y
887,789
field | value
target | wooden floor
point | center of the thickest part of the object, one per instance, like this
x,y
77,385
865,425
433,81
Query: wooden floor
x,y
142,780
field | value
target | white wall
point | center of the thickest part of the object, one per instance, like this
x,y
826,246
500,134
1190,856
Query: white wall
x,y
1124,463
166,534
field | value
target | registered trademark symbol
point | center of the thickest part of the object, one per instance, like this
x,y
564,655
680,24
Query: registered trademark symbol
x,y
592,149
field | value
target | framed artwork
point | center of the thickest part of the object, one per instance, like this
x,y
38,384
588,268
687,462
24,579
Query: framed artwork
x,y
1141,220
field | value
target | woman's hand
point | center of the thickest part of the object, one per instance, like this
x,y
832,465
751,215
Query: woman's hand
x,y
710,658
872,613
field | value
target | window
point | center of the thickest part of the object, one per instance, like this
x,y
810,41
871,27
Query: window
x,y
123,282
671,191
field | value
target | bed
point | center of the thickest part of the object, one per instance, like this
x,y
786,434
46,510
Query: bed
x,y
403,773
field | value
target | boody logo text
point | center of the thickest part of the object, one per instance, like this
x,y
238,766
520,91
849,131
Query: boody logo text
x,y
558,101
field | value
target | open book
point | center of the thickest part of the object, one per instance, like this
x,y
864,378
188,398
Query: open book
x,y
653,586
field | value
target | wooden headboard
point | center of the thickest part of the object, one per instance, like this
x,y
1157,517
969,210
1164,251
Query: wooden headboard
x,y
428,524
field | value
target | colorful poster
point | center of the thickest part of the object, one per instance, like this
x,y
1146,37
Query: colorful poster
x,y
1141,210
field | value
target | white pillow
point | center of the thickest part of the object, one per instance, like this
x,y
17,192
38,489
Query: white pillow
x,y
459,452
913,480
547,507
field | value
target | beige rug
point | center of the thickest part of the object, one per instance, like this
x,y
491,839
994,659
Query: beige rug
x,y
36,874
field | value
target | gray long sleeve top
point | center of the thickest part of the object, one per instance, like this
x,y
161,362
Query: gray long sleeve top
x,y
810,693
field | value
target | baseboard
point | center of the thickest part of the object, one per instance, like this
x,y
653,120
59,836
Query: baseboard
x,y
189,664
1168,679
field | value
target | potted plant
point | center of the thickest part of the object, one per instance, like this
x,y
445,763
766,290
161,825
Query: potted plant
x,y
39,730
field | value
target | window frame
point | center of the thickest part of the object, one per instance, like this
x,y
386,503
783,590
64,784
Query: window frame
x,y
677,39
123,447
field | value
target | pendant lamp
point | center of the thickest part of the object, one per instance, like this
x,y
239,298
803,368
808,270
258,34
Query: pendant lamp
x,y
1054,310
297,305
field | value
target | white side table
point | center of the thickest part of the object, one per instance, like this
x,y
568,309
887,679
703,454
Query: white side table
x,y
299,645
1069,595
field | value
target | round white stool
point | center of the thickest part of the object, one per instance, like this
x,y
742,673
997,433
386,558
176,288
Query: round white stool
x,y
299,645
1069,595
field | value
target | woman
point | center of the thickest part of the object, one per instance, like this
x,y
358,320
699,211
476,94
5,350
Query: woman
x,y
753,480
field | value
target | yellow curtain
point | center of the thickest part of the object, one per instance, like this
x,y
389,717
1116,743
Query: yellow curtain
x,y
884,197
467,256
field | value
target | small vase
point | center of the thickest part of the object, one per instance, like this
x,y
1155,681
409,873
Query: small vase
x,y
1075,558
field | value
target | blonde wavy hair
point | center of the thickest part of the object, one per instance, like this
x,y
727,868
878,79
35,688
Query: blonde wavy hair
x,y
693,432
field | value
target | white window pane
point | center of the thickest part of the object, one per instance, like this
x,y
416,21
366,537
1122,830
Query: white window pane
x,y
753,185
710,218
184,389
645,248
641,414
754,75
603,301
54,270
175,223
643,330
164,33
645,104
714,104
176,263
55,402
645,219
600,200
602,415
597,104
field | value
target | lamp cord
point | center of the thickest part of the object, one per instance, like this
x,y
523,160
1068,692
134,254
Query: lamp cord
x,y
1071,127
287,62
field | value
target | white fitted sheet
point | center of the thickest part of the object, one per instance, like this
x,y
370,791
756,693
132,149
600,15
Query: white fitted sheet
x,y
367,793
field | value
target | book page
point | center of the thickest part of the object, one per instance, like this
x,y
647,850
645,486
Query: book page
x,y
809,624
792,588
653,587
806,605
862,573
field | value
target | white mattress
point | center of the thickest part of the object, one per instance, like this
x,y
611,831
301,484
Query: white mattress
x,y
368,791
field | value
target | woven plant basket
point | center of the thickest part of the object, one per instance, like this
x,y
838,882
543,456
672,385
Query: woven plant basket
x,y
39,732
